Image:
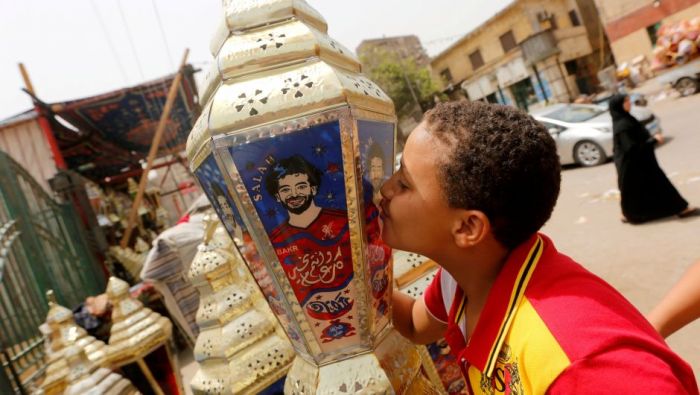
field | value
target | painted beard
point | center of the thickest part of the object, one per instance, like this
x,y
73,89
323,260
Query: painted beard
x,y
300,208
376,184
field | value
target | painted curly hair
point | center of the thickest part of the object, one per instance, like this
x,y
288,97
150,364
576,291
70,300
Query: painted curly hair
x,y
502,162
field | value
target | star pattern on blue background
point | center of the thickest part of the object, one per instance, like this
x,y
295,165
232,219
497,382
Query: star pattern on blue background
x,y
332,168
319,150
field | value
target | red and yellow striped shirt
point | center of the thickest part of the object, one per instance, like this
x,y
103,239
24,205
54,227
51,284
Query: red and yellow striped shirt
x,y
551,326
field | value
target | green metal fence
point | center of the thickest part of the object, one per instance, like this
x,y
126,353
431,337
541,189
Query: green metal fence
x,y
42,246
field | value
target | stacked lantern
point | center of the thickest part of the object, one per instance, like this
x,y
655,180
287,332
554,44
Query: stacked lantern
x,y
87,377
293,137
63,333
241,349
130,259
136,332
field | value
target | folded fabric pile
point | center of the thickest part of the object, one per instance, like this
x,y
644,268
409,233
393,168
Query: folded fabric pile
x,y
677,43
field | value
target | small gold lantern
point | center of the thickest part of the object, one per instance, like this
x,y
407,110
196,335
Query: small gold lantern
x,y
136,332
87,377
63,333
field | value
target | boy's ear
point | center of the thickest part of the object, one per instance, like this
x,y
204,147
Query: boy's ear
x,y
470,228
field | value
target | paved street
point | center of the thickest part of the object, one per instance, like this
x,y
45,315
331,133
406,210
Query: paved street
x,y
641,261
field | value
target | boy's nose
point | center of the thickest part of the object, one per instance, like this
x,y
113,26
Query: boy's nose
x,y
386,190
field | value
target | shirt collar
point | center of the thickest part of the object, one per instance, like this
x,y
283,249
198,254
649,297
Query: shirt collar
x,y
501,305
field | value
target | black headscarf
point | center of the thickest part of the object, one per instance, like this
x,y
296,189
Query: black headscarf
x,y
623,121
617,105
628,132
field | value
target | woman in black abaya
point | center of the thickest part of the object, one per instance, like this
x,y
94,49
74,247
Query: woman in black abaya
x,y
647,194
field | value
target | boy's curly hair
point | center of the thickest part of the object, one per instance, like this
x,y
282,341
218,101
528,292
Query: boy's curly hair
x,y
502,162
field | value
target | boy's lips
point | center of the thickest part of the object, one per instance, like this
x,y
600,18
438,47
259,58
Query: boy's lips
x,y
383,212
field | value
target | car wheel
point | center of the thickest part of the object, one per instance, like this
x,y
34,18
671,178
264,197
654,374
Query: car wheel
x,y
687,86
589,153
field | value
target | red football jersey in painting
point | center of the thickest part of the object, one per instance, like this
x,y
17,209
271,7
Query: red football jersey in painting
x,y
318,257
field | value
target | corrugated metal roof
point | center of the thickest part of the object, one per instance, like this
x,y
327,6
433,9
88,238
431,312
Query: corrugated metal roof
x,y
15,119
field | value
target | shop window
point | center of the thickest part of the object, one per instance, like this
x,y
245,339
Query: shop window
x,y
653,31
446,75
508,41
573,16
571,67
476,59
524,93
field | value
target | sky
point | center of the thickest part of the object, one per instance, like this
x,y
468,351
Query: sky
x,y
80,48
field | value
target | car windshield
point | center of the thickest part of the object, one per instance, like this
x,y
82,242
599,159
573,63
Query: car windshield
x,y
575,114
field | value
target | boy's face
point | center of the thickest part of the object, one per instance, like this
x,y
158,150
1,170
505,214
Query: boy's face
x,y
414,210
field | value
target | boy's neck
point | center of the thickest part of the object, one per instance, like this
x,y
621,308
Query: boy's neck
x,y
476,271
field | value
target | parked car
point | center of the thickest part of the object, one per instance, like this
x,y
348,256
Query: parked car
x,y
583,132
683,78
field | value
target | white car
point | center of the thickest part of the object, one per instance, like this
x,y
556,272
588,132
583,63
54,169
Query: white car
x,y
583,132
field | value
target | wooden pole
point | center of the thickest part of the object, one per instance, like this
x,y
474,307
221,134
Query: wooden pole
x,y
149,376
172,94
44,123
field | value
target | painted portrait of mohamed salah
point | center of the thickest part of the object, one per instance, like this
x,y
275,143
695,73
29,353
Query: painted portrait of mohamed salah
x,y
296,184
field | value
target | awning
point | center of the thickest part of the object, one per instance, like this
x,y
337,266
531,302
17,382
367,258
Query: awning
x,y
107,135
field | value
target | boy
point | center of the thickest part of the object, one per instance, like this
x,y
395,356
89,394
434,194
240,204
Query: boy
x,y
476,183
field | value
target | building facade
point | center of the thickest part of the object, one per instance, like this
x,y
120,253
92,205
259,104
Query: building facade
x,y
530,54
631,25
22,137
403,47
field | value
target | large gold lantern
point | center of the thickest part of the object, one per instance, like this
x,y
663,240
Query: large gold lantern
x,y
290,148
